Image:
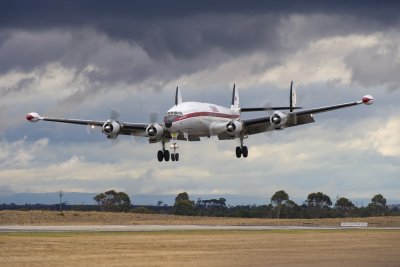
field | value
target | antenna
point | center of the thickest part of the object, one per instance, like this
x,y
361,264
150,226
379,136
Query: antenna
x,y
60,195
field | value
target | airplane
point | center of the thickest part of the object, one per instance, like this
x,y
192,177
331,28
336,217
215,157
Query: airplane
x,y
189,121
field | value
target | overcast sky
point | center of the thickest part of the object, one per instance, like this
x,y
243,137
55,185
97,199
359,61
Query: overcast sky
x,y
81,59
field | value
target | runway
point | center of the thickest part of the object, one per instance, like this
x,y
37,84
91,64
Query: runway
x,y
157,228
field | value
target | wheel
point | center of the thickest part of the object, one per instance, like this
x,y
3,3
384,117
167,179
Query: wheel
x,y
238,152
166,155
173,157
177,156
160,155
245,151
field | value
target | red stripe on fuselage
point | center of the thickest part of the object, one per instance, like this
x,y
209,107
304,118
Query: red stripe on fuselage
x,y
206,114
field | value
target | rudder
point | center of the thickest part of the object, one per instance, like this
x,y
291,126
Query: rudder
x,y
235,98
292,99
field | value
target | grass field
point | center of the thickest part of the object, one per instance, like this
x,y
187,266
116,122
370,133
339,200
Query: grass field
x,y
203,248
104,218
356,247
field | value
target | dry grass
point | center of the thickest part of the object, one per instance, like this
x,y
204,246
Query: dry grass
x,y
106,218
203,248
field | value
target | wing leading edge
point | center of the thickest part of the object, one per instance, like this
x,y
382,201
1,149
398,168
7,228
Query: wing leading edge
x,y
127,128
264,124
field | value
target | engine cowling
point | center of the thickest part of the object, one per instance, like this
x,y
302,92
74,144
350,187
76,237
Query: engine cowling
x,y
111,128
279,119
234,128
154,131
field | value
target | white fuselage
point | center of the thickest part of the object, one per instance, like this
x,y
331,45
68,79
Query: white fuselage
x,y
200,119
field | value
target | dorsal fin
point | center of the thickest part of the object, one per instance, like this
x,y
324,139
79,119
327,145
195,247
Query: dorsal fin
x,y
178,96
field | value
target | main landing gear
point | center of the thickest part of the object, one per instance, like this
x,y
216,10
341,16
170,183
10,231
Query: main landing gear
x,y
242,150
165,155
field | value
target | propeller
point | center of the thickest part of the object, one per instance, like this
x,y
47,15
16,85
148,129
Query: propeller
x,y
153,117
114,114
270,111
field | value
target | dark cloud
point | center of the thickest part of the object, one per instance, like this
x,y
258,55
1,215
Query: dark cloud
x,y
168,32
376,67
186,28
42,13
25,50
160,41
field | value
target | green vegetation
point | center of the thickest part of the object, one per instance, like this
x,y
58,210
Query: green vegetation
x,y
113,201
278,199
183,205
317,205
279,205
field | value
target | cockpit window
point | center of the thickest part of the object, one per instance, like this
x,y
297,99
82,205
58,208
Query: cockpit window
x,y
175,113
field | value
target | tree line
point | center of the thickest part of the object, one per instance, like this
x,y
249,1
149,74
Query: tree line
x,y
317,205
279,205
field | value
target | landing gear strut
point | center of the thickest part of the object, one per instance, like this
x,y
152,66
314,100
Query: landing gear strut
x,y
242,150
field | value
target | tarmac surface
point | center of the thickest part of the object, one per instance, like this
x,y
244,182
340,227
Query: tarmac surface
x,y
155,228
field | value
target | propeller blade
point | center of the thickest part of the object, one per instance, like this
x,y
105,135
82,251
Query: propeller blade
x,y
153,116
114,141
114,115
269,109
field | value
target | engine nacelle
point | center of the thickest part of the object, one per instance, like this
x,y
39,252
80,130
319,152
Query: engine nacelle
x,y
234,128
111,128
154,131
279,119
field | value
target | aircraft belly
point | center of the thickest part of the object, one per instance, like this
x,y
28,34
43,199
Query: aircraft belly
x,y
197,126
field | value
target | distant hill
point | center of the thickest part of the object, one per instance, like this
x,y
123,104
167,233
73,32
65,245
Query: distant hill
x,y
87,198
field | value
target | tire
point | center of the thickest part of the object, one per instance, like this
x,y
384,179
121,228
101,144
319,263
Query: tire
x,y
166,155
238,152
245,151
177,156
160,155
173,157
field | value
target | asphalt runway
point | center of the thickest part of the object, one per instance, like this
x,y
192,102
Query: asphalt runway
x,y
156,228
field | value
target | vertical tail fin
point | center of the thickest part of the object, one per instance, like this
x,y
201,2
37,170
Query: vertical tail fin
x,y
235,98
178,96
292,99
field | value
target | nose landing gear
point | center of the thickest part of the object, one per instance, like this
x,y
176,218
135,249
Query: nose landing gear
x,y
174,155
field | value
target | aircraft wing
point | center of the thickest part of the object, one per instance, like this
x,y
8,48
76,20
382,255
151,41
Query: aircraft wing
x,y
295,118
138,129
